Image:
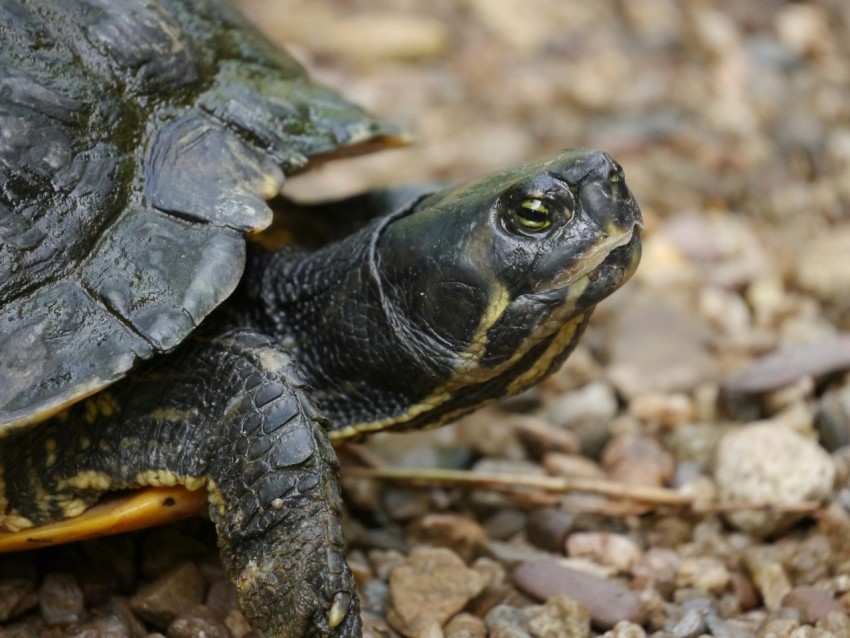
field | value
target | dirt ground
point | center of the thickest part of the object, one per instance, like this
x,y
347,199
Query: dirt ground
x,y
701,429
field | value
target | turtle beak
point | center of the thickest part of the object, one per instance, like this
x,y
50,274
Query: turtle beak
x,y
614,220
606,199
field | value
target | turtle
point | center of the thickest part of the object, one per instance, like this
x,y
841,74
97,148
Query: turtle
x,y
147,340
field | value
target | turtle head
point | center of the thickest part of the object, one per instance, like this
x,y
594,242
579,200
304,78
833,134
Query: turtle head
x,y
488,284
499,274
462,297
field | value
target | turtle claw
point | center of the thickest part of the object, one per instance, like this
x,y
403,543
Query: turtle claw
x,y
339,609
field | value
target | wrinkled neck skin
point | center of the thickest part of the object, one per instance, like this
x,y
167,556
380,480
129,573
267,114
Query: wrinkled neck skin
x,y
374,361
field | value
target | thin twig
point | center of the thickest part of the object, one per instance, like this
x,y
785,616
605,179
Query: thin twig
x,y
527,485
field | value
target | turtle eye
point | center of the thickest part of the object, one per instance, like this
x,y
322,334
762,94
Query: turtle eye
x,y
534,215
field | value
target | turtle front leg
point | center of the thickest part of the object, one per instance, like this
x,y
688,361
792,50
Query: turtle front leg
x,y
230,411
276,503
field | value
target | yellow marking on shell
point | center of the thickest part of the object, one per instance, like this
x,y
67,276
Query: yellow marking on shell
x,y
50,453
84,442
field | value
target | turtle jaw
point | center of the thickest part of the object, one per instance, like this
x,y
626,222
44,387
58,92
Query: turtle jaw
x,y
613,261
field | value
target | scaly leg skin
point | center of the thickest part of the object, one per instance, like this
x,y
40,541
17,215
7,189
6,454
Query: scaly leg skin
x,y
233,412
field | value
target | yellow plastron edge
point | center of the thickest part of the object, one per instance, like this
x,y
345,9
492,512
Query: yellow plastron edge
x,y
146,507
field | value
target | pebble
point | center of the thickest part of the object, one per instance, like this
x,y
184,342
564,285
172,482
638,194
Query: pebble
x,y
237,625
785,366
466,626
505,621
705,573
690,621
459,533
169,596
559,616
832,418
106,626
165,549
766,463
656,569
539,437
614,550
659,347
607,600
837,622
827,278
196,622
505,523
571,466
636,459
60,599
547,528
17,596
660,409
769,577
625,629
596,401
813,603
428,588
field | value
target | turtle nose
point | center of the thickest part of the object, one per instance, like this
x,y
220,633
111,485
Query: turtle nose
x,y
605,197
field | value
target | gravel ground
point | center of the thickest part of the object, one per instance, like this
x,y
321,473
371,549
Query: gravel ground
x,y
702,425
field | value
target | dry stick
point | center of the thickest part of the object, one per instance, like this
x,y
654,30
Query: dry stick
x,y
659,496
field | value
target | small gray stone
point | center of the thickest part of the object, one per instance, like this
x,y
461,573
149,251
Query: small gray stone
x,y
101,626
198,621
60,599
170,595
832,418
607,601
17,595
784,367
547,528
511,554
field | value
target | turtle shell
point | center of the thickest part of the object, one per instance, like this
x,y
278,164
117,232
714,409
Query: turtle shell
x,y
139,142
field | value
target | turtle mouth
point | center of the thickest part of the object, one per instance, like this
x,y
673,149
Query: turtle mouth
x,y
621,252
